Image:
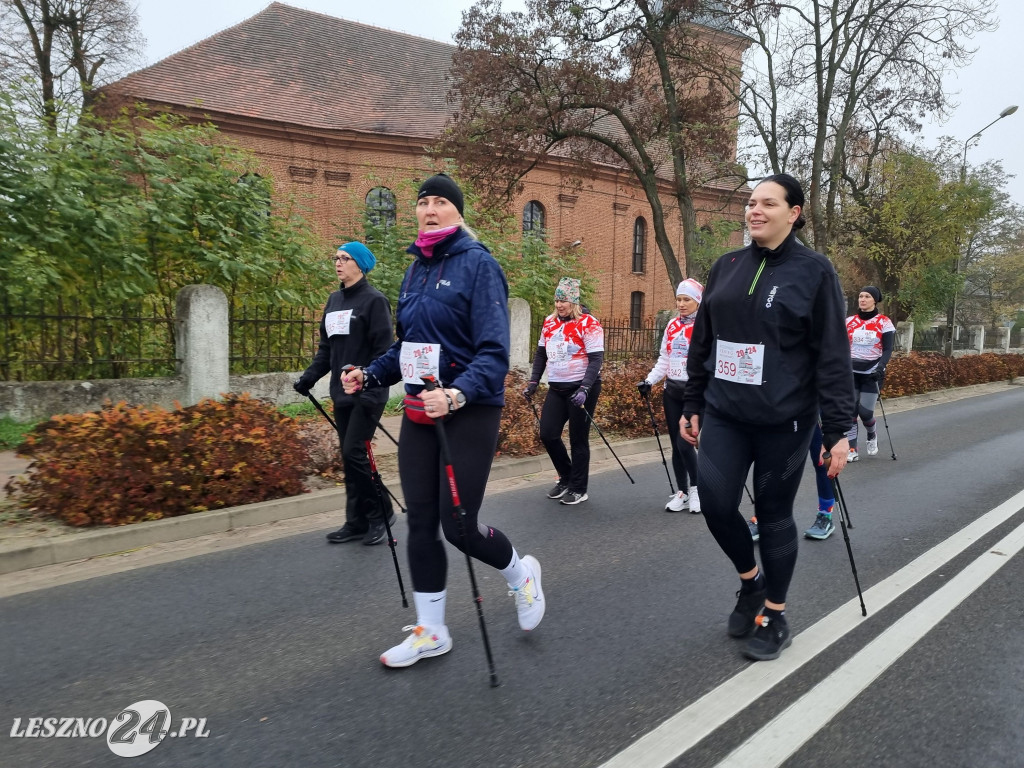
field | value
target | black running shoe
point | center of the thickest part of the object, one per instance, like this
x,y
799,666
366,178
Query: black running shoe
x,y
559,490
347,532
771,637
748,606
377,533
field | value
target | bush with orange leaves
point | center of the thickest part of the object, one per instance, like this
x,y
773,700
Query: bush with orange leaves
x,y
125,464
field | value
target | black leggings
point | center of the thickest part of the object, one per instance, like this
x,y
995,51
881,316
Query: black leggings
x,y
684,457
865,393
357,421
727,449
557,410
472,436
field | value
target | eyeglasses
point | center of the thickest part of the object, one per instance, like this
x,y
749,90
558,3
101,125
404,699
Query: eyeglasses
x,y
342,258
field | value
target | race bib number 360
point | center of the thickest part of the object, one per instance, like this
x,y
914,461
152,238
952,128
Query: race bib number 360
x,y
418,360
740,363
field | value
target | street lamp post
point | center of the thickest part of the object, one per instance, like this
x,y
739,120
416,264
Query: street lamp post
x,y
951,312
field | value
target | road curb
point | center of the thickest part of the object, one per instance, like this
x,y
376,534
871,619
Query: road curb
x,y
82,545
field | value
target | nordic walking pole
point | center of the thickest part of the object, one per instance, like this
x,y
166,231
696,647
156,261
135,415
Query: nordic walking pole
x,y
430,383
378,485
594,423
843,517
654,424
534,409
886,422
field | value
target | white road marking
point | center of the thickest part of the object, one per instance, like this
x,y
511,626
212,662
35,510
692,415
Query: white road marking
x,y
689,726
784,735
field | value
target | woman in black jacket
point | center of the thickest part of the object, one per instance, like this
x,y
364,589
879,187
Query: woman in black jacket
x,y
355,328
768,352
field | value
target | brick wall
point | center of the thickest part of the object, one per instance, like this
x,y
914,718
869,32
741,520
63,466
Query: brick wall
x,y
332,173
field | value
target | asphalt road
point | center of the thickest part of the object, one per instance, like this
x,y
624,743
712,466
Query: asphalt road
x,y
276,644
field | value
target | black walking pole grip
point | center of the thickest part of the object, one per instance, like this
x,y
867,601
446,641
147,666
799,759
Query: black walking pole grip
x,y
654,424
430,384
843,517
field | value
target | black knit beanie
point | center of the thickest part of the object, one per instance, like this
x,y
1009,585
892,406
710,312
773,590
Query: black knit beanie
x,y
442,185
875,293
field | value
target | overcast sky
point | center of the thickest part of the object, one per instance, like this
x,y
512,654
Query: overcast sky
x,y
991,83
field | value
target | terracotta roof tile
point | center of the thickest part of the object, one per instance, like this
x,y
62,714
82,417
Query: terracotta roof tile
x,y
294,66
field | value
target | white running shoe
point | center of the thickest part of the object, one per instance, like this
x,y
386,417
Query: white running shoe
x,y
872,446
694,500
421,644
529,596
853,456
677,503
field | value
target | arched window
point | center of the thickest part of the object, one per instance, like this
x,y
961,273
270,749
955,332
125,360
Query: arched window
x,y
533,220
380,207
636,310
639,244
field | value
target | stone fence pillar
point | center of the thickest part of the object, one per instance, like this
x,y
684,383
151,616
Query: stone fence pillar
x,y
520,351
201,331
978,338
904,337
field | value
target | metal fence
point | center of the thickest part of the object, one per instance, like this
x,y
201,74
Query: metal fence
x,y
933,339
64,340
266,338
622,341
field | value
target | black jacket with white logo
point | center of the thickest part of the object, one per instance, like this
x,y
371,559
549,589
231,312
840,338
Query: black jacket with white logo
x,y
788,300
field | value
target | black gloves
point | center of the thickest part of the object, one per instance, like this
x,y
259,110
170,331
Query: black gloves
x,y
303,387
579,397
644,387
530,389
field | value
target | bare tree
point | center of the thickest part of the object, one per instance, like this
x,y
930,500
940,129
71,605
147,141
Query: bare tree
x,y
66,49
828,81
608,81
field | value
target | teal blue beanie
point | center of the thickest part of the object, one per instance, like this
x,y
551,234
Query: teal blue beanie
x,y
361,254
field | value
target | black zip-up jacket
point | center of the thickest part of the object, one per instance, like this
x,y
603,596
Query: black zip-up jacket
x,y
369,336
790,301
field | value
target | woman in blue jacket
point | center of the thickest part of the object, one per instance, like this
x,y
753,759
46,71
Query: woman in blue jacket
x,y
452,321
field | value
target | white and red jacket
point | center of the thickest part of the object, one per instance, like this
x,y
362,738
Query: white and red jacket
x,y
675,347
869,348
566,346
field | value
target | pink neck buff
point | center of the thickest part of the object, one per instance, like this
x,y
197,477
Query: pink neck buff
x,y
426,241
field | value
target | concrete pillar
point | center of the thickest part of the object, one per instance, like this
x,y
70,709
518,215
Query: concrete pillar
x,y
978,332
1002,339
520,350
201,332
904,336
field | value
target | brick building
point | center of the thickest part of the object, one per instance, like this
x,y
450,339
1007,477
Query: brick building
x,y
340,113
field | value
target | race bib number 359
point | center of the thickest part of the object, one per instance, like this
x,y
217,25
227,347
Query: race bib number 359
x,y
739,363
